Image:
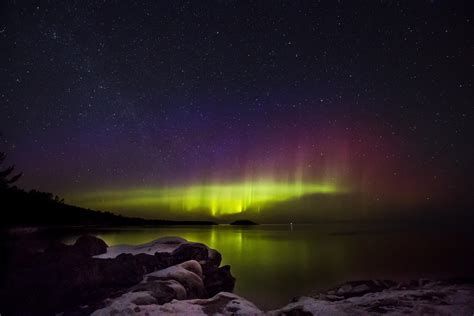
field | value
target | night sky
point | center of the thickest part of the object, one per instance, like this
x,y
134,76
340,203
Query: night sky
x,y
275,111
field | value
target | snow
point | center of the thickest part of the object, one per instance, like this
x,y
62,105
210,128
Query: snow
x,y
223,303
165,244
135,303
432,299
124,305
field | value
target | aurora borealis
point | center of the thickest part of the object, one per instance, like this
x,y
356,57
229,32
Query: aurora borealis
x,y
218,199
277,112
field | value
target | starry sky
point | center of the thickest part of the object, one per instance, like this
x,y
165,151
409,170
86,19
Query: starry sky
x,y
272,110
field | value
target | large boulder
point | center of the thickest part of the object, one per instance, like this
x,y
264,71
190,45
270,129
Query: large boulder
x,y
162,291
219,280
90,246
213,260
191,251
188,273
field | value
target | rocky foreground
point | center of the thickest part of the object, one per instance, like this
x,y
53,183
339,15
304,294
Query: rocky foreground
x,y
78,279
359,298
172,276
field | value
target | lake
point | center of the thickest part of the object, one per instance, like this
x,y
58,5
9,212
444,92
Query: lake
x,y
274,263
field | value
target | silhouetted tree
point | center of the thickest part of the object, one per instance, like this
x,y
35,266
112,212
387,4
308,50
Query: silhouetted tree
x,y
6,177
58,199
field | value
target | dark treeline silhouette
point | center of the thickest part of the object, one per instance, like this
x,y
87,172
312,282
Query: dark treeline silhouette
x,y
35,208
243,222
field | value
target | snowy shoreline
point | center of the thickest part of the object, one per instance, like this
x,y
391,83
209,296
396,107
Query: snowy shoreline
x,y
455,297
171,276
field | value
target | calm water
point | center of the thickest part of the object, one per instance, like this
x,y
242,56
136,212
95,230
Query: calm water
x,y
274,263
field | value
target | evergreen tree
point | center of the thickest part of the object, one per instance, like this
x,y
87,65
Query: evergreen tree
x,y
6,177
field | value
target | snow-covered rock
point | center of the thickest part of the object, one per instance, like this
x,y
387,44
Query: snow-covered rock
x,y
183,288
311,306
191,272
161,245
430,298
171,276
172,249
188,273
223,303
88,275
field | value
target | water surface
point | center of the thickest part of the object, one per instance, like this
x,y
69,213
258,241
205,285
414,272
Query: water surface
x,y
274,263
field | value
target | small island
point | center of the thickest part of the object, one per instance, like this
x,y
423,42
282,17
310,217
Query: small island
x,y
243,222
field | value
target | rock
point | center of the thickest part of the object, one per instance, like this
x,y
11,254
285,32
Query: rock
x,y
90,246
346,288
163,291
333,297
188,273
80,277
221,304
214,260
171,276
126,269
219,280
133,303
165,258
144,299
190,251
160,245
423,298
199,277
360,289
308,306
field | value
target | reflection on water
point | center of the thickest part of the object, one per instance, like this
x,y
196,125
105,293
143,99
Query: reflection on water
x,y
274,263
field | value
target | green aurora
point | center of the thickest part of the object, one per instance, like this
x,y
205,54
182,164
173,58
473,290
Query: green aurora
x,y
215,199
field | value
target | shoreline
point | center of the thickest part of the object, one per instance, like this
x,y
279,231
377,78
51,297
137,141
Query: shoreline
x,y
172,275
